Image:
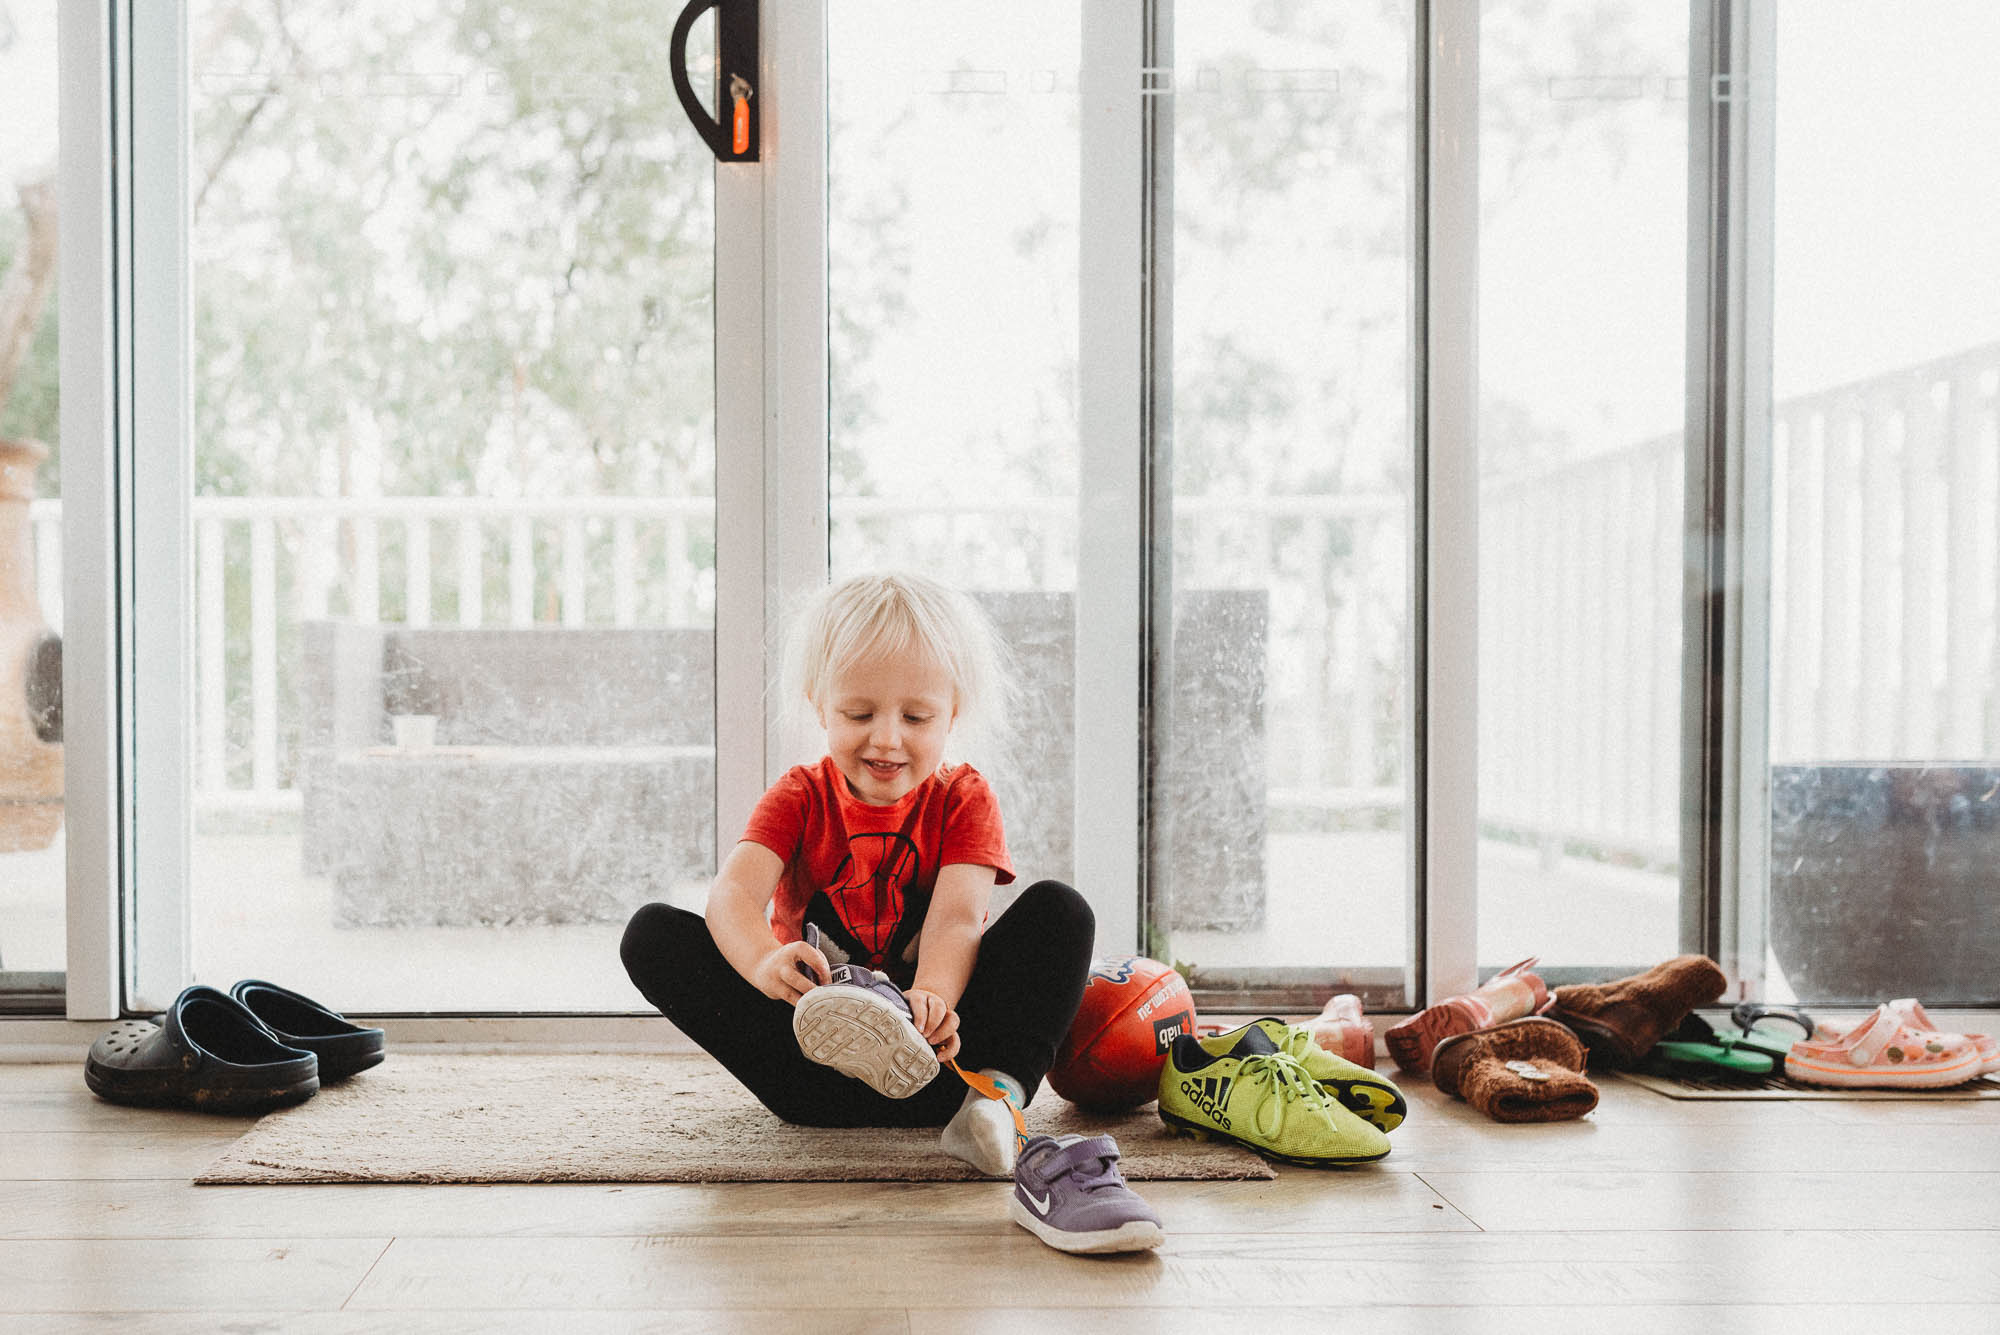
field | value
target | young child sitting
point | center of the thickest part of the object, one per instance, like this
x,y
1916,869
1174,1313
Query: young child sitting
x,y
879,860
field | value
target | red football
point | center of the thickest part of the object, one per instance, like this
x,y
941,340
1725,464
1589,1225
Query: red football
x,y
1132,1010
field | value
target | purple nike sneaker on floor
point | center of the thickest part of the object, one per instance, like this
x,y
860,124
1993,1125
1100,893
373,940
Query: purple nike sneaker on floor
x,y
860,1024
1068,1192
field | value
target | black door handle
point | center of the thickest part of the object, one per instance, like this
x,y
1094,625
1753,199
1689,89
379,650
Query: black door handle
x,y
735,136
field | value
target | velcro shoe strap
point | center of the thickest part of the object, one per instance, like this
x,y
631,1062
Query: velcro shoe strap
x,y
1085,1153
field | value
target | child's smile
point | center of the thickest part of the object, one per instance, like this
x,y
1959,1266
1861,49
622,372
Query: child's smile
x,y
886,723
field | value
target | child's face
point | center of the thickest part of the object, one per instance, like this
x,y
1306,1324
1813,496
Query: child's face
x,y
886,721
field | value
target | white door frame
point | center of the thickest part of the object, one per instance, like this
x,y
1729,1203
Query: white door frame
x,y
1446,889
93,738
770,396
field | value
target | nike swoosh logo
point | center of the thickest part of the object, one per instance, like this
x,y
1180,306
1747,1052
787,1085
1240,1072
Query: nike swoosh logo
x,y
1041,1203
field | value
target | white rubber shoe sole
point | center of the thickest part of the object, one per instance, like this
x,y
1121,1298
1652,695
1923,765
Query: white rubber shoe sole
x,y
1810,1071
1136,1235
860,1034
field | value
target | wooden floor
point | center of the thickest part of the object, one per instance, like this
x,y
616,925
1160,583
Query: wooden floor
x,y
1653,1215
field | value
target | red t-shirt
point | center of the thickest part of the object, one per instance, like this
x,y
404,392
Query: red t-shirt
x,y
864,874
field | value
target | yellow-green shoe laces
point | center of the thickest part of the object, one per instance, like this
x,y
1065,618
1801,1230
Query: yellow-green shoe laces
x,y
1289,1084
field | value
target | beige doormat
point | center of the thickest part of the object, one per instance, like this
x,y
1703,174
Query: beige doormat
x,y
610,1118
1782,1087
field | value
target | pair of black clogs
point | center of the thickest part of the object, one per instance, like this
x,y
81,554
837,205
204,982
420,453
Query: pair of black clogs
x,y
250,1049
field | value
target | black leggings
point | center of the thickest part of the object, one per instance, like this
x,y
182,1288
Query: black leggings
x,y
1024,991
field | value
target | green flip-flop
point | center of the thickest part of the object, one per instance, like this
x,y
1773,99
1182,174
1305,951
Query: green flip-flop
x,y
1696,1049
1774,1043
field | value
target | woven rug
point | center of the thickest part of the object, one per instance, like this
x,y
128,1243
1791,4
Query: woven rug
x,y
1782,1087
601,1118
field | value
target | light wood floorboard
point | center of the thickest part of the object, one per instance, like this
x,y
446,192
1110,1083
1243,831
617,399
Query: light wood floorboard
x,y
1653,1215
1706,1319
790,1320
1227,1270
1379,1202
1526,1202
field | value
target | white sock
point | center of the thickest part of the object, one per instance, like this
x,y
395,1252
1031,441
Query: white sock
x,y
982,1131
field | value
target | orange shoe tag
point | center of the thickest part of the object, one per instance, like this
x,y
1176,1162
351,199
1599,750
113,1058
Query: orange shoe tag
x,y
991,1089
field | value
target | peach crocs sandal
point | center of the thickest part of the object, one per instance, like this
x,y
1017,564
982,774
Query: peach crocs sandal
x,y
1910,1012
1884,1053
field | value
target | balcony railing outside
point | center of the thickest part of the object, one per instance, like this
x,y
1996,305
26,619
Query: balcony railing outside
x,y
1886,493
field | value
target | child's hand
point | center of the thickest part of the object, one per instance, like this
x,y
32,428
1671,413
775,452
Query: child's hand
x,y
791,971
937,1022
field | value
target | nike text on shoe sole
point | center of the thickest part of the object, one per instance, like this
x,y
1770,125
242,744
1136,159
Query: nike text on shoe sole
x,y
1136,1235
862,1035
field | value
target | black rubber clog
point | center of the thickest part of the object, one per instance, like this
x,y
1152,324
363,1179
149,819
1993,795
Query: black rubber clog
x,y
343,1048
207,1052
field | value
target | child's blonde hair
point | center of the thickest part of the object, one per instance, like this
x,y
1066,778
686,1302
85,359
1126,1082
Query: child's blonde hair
x,y
869,617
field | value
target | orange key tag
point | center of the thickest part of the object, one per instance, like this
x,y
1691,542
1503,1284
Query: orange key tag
x,y
739,92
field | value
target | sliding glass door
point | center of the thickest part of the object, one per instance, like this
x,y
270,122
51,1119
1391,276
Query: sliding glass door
x,y
452,499
1583,260
1281,728
1315,394
32,840
953,287
1885,403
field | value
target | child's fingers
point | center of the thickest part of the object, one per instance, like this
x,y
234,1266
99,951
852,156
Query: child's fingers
x,y
949,1049
791,985
945,1030
815,961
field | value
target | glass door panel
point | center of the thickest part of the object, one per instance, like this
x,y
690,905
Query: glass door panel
x,y
1885,533
32,859
453,515
952,191
1285,782
1582,315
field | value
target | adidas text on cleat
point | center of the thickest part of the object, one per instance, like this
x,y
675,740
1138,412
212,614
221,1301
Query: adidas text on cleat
x,y
1263,1099
1371,1097
859,1024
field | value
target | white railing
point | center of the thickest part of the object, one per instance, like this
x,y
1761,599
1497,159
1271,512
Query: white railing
x,y
1884,637
1886,494
1887,533
1580,652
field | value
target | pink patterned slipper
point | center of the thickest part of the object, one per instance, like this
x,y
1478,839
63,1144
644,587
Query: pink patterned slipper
x,y
1911,1014
1514,992
1884,1053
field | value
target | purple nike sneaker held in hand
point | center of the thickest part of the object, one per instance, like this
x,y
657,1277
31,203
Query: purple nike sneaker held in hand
x,y
1069,1193
861,1025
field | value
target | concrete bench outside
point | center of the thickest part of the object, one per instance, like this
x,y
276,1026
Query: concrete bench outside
x,y
572,777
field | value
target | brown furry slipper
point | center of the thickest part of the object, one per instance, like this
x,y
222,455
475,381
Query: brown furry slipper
x,y
1622,1021
1523,1071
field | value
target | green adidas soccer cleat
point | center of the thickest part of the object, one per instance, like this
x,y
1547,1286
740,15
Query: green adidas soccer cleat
x,y
1356,1088
1264,1100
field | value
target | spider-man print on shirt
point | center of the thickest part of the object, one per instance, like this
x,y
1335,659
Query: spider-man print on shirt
x,y
874,909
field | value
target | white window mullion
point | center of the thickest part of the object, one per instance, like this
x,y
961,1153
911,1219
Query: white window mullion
x,y
160,962
770,395
739,494
1725,746
1110,794
795,334
1449,535
91,732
